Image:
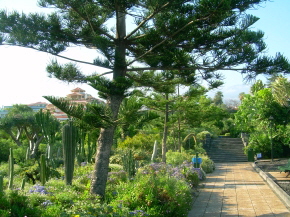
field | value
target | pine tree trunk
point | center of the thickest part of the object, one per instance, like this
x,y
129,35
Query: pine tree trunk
x,y
102,159
105,140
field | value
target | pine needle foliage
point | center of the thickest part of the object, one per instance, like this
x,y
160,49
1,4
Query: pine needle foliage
x,y
95,115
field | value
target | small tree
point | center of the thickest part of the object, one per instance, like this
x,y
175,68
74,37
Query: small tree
x,y
218,98
21,121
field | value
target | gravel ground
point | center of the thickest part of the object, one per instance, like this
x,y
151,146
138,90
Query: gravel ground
x,y
268,166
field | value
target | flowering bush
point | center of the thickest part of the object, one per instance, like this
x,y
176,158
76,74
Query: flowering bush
x,y
15,203
117,177
156,194
158,189
177,158
38,189
207,165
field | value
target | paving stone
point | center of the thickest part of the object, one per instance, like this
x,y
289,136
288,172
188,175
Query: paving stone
x,y
247,214
235,189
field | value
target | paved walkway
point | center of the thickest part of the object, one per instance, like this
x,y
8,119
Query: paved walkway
x,y
235,189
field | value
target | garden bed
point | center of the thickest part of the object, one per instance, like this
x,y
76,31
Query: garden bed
x,y
285,185
269,166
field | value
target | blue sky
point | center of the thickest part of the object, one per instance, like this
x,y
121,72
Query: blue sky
x,y
24,79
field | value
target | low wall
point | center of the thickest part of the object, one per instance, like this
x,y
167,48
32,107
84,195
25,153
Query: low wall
x,y
274,186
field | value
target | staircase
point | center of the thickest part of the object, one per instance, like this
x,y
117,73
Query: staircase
x,y
226,150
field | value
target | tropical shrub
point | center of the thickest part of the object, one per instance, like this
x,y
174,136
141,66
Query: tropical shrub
x,y
155,193
15,203
142,156
139,141
202,135
115,167
207,165
157,190
177,158
5,145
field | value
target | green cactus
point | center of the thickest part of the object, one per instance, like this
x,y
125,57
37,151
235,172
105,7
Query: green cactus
x,y
11,170
91,148
81,155
129,164
50,126
69,139
58,153
43,171
1,184
23,183
89,155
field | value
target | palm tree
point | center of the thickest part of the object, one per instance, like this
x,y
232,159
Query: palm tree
x,y
281,91
133,116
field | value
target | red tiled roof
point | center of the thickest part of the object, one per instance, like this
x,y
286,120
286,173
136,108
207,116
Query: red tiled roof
x,y
78,90
37,103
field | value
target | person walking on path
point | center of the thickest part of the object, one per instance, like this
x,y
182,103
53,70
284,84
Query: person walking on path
x,y
235,189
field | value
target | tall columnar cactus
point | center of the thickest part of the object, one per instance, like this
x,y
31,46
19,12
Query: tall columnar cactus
x,y
43,171
81,136
69,139
11,170
1,184
50,126
89,155
91,147
23,183
129,163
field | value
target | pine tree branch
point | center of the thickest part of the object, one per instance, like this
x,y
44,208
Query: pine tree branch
x,y
169,37
181,68
146,19
91,25
57,55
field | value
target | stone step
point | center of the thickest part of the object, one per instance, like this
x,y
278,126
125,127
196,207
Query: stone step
x,y
229,160
227,150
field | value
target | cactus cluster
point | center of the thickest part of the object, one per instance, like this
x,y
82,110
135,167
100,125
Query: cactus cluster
x,y
23,183
83,154
43,170
91,148
69,139
129,164
11,169
1,184
80,149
